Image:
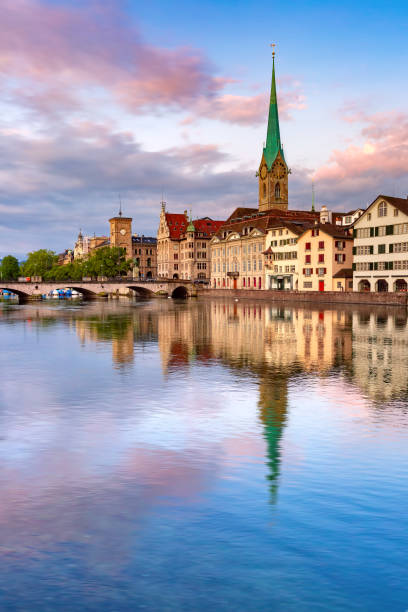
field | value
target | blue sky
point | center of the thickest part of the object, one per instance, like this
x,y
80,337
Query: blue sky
x,y
143,98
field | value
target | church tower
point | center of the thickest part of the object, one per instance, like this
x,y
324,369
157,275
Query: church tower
x,y
273,170
121,233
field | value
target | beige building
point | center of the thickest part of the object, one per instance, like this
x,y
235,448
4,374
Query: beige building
x,y
325,250
381,246
182,246
280,256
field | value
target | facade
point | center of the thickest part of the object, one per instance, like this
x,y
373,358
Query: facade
x,y
144,256
121,234
280,256
323,250
273,171
183,246
351,217
238,248
381,246
86,244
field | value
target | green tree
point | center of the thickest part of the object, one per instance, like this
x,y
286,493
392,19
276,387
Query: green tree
x,y
39,262
9,268
71,271
107,261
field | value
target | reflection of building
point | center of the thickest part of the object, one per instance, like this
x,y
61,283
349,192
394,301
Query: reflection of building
x,y
109,327
380,350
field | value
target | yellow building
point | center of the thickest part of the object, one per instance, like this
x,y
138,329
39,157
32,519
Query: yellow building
x,y
324,251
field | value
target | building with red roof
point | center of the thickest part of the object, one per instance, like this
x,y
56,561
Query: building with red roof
x,y
182,245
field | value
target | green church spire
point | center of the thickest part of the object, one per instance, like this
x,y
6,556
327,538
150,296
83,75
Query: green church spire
x,y
273,141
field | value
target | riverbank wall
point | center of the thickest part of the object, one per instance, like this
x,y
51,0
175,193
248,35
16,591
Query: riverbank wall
x,y
311,297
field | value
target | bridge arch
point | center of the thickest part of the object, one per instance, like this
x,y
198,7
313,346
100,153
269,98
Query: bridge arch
x,y
86,293
20,294
180,292
142,292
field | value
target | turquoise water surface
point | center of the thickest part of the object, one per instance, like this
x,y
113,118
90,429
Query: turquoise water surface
x,y
203,455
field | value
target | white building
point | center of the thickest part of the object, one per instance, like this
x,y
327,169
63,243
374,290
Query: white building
x,y
380,253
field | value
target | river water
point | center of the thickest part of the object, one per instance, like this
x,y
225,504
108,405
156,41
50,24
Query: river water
x,y
203,455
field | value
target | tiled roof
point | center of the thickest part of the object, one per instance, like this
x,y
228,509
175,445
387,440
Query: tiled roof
x,y
207,226
264,220
177,225
144,240
344,273
336,231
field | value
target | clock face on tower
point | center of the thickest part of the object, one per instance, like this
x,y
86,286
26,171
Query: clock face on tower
x,y
263,172
123,231
280,169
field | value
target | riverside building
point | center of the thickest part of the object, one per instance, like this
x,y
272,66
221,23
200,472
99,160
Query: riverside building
x,y
182,246
381,246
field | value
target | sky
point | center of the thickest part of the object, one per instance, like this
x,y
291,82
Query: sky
x,y
102,99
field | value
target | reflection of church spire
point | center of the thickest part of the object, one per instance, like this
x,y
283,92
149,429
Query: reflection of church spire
x,y
273,410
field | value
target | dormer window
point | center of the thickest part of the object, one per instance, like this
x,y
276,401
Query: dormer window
x,y
382,209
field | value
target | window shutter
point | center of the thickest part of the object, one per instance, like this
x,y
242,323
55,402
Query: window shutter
x,y
324,270
304,271
354,250
372,232
344,244
391,248
354,233
371,249
375,265
389,230
390,265
370,265
354,267
376,231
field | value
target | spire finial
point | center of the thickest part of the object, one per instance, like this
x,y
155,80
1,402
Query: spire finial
x,y
313,197
120,205
273,45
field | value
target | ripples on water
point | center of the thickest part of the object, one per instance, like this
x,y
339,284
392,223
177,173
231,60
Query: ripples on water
x,y
203,455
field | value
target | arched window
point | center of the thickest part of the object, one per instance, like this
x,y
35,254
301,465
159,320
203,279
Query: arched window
x,y
264,190
382,209
277,191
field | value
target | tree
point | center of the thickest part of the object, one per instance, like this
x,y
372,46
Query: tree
x,y
71,271
9,268
39,262
107,261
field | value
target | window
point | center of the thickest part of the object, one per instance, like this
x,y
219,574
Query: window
x,y
308,246
401,228
277,191
362,266
381,248
321,257
321,271
400,247
264,190
307,271
307,285
368,216
382,209
321,244
364,232
364,250
395,212
308,259
315,232
382,230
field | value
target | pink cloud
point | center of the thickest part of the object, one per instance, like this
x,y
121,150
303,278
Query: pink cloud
x,y
383,154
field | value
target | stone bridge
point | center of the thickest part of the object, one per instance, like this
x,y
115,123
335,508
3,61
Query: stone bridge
x,y
94,289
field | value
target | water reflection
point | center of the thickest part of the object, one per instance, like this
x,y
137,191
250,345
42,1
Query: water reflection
x,y
214,417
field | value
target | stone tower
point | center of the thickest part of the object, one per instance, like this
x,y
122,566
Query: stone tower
x,y
121,233
273,170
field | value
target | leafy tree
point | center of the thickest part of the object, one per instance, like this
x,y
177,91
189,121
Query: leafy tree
x,y
9,268
107,261
39,262
71,271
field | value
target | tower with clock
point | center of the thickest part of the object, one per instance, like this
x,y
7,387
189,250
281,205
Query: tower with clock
x,y
273,170
121,233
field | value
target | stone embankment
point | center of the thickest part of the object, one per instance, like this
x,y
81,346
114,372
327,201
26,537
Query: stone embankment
x,y
322,297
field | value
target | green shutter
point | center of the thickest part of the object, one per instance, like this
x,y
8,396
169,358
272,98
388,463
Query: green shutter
x,y
371,249
386,265
391,248
390,265
354,250
376,231
372,232
389,230
354,267
354,233
375,265
370,265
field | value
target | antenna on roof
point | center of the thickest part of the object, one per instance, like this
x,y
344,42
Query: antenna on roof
x,y
120,205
